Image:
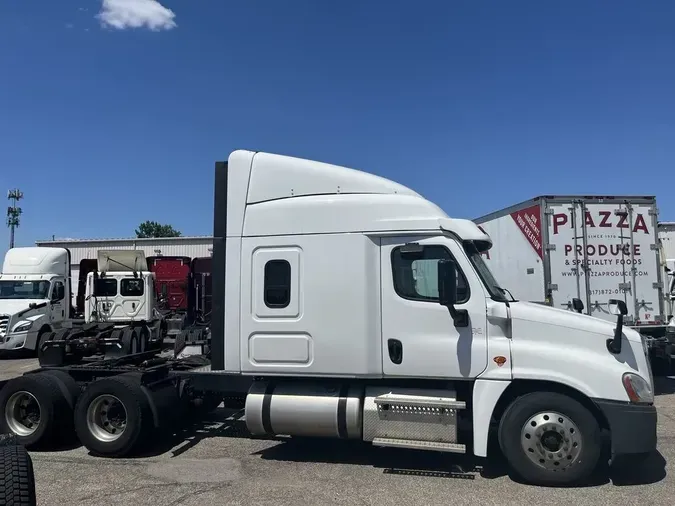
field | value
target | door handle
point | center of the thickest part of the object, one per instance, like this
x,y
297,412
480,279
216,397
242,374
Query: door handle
x,y
395,350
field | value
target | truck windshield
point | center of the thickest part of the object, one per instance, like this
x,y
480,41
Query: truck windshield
x,y
24,289
496,291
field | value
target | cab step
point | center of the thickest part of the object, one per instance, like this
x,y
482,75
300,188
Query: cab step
x,y
417,401
413,444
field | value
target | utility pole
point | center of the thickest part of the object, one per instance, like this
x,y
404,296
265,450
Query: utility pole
x,y
13,213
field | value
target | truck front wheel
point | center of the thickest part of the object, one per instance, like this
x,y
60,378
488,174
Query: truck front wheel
x,y
550,439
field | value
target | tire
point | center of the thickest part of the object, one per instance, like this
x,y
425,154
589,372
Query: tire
x,y
68,386
17,479
44,334
98,425
540,419
34,408
143,339
130,343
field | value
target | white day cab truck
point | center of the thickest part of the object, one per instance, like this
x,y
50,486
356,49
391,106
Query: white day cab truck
x,y
347,306
580,252
120,314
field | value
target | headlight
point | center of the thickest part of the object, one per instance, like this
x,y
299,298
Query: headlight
x,y
637,388
23,326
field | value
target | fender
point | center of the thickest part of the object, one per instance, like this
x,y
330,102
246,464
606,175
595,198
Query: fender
x,y
486,395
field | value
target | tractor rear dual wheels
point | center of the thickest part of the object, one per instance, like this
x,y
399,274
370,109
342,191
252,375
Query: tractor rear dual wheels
x,y
38,408
113,416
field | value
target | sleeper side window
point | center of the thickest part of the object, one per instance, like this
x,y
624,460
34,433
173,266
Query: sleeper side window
x,y
277,287
415,273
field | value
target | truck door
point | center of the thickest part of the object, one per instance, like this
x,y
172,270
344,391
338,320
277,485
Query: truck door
x,y
419,338
58,303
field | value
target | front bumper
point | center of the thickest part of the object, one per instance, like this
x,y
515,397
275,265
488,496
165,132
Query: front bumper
x,y
14,341
632,426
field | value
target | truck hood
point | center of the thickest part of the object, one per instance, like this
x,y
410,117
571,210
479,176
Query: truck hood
x,y
13,306
539,313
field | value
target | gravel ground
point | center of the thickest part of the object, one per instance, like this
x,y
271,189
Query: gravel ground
x,y
215,463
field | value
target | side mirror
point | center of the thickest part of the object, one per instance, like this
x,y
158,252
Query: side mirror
x,y
165,291
447,292
617,307
577,305
447,283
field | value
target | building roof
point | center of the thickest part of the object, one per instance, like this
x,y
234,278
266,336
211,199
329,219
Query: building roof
x,y
108,240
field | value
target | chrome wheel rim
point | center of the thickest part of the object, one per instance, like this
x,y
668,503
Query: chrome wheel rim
x,y
551,441
22,413
106,418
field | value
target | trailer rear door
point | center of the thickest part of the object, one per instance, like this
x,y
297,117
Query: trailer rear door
x,y
605,249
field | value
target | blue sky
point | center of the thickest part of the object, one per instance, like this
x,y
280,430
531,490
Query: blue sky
x,y
113,112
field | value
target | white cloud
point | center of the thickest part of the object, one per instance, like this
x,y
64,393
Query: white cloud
x,y
123,14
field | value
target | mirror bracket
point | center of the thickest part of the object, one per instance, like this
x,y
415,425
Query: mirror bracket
x,y
447,292
619,308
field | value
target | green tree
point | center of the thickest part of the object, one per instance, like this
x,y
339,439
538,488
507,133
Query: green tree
x,y
154,229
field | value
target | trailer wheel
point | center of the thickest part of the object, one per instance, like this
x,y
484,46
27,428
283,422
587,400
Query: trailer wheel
x,y
113,416
34,409
550,439
17,479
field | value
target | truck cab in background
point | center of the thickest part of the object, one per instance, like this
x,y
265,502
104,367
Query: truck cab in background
x,y
120,294
119,310
34,296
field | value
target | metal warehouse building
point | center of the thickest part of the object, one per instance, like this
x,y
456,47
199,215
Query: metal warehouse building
x,y
195,246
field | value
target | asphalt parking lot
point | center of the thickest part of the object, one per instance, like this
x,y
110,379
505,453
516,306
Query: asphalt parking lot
x,y
215,463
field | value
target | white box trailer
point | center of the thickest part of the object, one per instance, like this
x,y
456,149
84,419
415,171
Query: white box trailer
x,y
553,249
666,234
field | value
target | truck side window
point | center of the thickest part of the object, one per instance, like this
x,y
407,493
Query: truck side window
x,y
131,287
277,287
105,287
416,275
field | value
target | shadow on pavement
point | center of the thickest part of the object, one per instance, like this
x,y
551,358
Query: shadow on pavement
x,y
226,423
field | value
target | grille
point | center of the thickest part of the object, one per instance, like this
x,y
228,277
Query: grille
x,y
4,322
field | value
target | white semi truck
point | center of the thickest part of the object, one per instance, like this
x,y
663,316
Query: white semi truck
x,y
347,306
120,313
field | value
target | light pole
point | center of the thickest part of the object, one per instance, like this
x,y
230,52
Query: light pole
x,y
13,213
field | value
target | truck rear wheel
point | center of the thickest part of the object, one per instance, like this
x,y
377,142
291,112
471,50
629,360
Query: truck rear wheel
x,y
34,408
130,343
113,416
550,439
17,479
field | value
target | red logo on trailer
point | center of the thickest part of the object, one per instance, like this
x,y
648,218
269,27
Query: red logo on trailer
x,y
529,223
